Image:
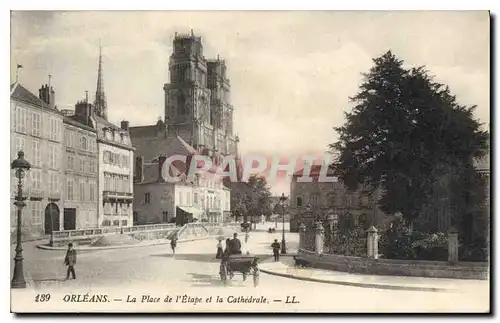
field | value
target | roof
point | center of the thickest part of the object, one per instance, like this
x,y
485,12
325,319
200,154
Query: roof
x,y
72,120
152,147
103,122
315,171
20,93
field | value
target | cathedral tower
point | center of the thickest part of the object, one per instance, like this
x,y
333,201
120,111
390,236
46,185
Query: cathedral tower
x,y
197,104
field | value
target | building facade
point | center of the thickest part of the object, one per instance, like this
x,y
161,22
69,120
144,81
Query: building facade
x,y
37,130
203,199
81,170
350,208
115,174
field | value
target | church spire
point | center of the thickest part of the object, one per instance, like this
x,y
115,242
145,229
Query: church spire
x,y
100,105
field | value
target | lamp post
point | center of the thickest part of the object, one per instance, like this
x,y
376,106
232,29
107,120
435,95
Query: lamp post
x,y
333,221
283,242
21,166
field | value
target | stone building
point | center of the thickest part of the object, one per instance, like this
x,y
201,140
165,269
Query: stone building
x,y
205,198
324,199
115,163
37,130
81,169
198,112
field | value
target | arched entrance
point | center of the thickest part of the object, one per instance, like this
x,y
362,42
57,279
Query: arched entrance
x,y
51,218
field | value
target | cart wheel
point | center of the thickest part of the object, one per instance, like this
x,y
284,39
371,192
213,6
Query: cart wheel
x,y
256,273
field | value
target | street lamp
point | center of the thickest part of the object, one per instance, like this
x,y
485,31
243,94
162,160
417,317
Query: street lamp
x,y
333,220
283,242
21,166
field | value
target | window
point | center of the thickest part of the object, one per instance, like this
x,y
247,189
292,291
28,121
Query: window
x,y
124,223
21,119
116,223
125,162
36,215
35,130
35,147
82,164
92,191
54,183
92,166
314,199
147,198
71,162
82,191
69,190
83,143
196,198
106,223
36,179
54,129
53,156
299,201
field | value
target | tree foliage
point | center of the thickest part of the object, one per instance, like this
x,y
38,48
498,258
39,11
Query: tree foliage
x,y
252,198
404,129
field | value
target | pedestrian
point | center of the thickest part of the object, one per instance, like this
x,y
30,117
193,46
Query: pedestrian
x,y
173,244
276,250
235,245
247,235
220,251
70,261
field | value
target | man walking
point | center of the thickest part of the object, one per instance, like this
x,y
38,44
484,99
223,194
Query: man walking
x,y
276,250
173,244
70,261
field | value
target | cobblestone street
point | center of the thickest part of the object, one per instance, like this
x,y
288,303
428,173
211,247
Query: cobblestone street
x,y
194,270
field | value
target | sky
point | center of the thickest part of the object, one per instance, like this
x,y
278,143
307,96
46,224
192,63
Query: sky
x,y
291,73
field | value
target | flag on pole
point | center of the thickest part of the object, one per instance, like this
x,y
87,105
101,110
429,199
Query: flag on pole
x,y
19,66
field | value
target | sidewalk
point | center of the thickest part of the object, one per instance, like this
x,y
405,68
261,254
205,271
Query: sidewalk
x,y
146,243
285,268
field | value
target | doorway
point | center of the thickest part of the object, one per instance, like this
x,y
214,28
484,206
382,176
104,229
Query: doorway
x,y
69,219
51,218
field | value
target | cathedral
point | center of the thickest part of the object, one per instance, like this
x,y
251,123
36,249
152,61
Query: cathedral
x,y
197,106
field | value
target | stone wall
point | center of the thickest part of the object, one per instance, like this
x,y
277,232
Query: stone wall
x,y
360,265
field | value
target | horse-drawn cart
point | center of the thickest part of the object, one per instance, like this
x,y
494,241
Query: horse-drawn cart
x,y
244,264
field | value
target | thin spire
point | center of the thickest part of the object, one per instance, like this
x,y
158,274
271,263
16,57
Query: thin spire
x,y
100,96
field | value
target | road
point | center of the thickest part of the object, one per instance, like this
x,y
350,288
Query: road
x,y
155,272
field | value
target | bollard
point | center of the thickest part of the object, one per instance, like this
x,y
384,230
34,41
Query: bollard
x,y
453,245
372,243
320,232
302,236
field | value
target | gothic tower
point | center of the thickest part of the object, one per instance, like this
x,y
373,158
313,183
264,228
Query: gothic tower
x,y
197,104
100,105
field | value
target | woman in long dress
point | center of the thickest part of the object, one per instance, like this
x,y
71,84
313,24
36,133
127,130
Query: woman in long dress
x,y
220,251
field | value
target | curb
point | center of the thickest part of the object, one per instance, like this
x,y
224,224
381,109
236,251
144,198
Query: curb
x,y
362,285
49,248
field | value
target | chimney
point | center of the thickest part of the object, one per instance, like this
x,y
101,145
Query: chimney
x,y
47,94
83,111
161,161
52,98
138,171
125,125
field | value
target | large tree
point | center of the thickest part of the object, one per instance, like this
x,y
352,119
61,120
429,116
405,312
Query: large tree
x,y
251,198
403,129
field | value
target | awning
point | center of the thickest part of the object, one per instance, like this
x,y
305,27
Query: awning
x,y
191,210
